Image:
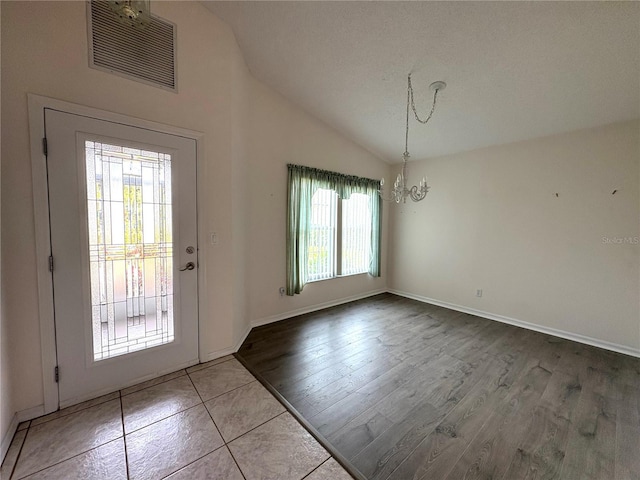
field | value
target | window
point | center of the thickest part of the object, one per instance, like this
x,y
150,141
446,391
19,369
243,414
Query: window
x,y
356,234
130,248
333,226
339,235
321,250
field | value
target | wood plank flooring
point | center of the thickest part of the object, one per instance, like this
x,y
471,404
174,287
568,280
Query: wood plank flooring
x,y
406,391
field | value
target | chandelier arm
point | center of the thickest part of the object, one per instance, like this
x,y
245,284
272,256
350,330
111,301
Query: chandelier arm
x,y
417,196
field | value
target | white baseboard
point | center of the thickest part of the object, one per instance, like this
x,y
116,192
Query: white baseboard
x,y
18,417
207,357
243,338
130,383
301,311
30,413
576,337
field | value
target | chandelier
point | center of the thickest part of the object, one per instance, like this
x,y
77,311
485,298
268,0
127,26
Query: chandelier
x,y
400,190
135,13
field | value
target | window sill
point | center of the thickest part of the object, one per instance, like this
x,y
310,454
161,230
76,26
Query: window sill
x,y
336,277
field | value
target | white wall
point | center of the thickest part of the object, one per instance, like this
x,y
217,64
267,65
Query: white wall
x,y
492,221
249,135
281,134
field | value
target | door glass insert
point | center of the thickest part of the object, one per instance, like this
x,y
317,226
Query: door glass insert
x,y
130,248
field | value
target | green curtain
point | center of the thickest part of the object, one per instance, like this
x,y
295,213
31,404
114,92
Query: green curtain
x,y
376,229
302,185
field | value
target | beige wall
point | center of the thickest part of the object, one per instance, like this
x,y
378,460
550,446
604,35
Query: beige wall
x,y
281,134
45,52
492,221
6,406
249,134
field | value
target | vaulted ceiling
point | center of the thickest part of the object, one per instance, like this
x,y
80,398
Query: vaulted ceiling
x,y
514,70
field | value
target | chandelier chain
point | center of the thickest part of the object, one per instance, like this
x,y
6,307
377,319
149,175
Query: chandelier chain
x,y
413,105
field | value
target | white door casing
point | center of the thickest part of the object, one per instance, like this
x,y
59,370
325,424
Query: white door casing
x,y
81,375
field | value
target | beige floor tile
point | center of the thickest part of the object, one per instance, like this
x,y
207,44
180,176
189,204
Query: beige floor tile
x,y
242,409
329,470
221,378
152,382
24,425
170,444
218,465
147,406
12,454
280,449
60,439
211,363
106,462
75,408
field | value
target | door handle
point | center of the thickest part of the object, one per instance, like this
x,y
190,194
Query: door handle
x,y
188,266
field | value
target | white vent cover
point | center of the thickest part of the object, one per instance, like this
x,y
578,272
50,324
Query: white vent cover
x,y
146,55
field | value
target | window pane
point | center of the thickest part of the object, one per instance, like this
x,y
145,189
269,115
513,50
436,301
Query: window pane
x,y
130,248
322,237
356,234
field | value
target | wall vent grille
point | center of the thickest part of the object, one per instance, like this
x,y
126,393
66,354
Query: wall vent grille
x,y
147,55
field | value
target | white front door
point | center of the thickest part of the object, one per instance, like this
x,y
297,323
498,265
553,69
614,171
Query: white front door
x,y
122,205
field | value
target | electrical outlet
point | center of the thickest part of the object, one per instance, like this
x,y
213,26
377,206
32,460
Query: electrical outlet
x,y
479,292
282,291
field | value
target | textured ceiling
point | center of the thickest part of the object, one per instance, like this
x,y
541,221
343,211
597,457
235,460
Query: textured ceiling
x,y
514,70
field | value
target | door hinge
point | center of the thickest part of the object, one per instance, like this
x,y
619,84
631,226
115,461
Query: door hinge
x,y
45,148
56,373
51,263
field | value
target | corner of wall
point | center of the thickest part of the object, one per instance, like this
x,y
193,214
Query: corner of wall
x,y
8,423
535,225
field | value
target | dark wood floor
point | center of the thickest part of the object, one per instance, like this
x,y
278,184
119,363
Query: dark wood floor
x,y
406,390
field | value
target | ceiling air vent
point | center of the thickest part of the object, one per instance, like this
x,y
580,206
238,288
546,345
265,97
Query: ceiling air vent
x,y
143,54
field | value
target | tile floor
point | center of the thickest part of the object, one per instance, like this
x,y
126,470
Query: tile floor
x,y
210,421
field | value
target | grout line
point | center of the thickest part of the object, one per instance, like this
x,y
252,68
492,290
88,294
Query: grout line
x,y
224,442
159,383
308,474
164,418
197,392
256,427
67,459
15,464
242,434
232,390
191,463
207,410
209,361
221,394
124,436
235,461
333,452
71,406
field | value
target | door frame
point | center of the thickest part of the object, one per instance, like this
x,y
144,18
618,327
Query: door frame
x,y
37,105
